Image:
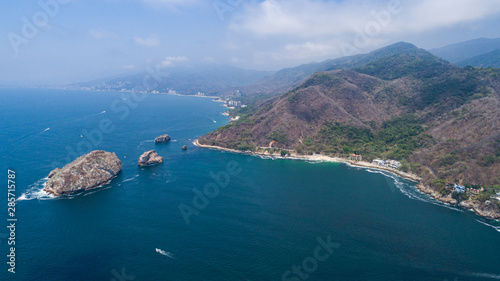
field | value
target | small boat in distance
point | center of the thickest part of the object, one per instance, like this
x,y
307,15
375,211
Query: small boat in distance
x,y
162,252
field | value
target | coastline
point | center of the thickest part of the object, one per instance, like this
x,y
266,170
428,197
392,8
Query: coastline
x,y
469,205
321,158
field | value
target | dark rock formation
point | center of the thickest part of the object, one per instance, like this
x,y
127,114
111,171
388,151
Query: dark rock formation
x,y
86,172
163,139
150,158
184,147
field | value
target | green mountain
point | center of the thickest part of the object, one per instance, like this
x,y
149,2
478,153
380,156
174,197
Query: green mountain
x,y
491,59
439,120
288,78
459,52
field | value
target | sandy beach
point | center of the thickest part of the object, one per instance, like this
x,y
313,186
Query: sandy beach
x,y
321,158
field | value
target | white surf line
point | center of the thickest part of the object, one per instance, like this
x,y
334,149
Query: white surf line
x,y
484,275
497,228
35,191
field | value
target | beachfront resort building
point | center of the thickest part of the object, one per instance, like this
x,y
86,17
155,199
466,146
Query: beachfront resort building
x,y
355,157
387,163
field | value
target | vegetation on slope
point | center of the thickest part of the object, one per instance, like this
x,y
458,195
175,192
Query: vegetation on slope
x,y
440,120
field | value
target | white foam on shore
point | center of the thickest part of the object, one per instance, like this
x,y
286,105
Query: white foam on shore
x,y
35,191
410,191
497,228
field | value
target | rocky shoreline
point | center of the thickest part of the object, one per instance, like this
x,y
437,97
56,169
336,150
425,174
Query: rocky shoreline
x,y
483,209
479,208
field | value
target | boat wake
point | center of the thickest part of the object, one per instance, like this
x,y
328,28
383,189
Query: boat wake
x,y
130,179
167,254
143,142
86,193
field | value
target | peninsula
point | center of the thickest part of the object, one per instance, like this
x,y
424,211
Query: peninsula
x,y
439,121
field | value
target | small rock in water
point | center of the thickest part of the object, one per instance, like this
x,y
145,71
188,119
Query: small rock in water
x,y
162,139
184,147
149,158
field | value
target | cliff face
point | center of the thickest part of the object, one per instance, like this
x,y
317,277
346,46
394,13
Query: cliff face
x,y
439,119
86,172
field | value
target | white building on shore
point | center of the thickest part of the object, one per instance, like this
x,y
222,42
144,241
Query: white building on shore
x,y
387,163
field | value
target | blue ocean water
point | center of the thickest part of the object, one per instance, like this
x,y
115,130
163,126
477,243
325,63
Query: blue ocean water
x,y
264,219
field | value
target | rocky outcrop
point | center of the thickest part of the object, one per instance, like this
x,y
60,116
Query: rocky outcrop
x,y
184,147
149,158
436,195
162,139
487,209
53,172
86,172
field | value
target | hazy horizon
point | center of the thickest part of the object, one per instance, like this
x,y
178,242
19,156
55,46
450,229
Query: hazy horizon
x,y
58,42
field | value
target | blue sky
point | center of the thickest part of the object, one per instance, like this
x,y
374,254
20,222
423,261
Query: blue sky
x,y
78,40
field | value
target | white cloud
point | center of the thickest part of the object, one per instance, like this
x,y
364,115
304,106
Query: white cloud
x,y
101,34
150,41
208,60
430,14
310,19
168,61
300,18
290,31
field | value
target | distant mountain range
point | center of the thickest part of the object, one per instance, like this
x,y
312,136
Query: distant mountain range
x,y
254,86
490,59
399,102
288,78
209,79
481,52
